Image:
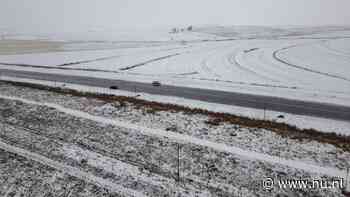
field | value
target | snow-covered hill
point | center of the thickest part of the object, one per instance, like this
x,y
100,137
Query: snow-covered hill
x,y
296,64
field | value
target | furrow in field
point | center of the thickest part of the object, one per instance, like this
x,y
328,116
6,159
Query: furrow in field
x,y
69,170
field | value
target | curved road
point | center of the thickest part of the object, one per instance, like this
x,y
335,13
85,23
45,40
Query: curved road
x,y
323,110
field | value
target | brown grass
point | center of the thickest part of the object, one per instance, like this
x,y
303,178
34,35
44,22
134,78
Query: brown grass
x,y
282,129
10,47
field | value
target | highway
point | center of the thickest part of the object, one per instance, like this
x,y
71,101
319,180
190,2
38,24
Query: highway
x,y
314,109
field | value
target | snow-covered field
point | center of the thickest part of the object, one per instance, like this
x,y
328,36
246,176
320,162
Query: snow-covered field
x,y
293,63
90,147
57,144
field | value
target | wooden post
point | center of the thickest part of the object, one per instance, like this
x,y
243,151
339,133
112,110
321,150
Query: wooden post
x,y
178,162
3,129
347,179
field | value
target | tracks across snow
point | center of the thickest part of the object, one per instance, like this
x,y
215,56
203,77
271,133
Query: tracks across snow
x,y
234,59
65,66
72,171
328,45
149,61
88,61
181,138
207,68
58,68
305,68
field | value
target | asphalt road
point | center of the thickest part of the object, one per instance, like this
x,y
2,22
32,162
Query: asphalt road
x,y
324,110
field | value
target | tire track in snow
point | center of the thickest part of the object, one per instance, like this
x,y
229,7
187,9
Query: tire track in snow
x,y
182,138
279,70
149,61
59,68
88,61
62,67
204,65
325,45
233,59
83,62
305,68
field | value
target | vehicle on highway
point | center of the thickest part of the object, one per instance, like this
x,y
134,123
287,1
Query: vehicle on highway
x,y
156,83
114,87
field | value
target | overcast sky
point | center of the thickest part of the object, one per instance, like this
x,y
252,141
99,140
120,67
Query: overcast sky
x,y
67,15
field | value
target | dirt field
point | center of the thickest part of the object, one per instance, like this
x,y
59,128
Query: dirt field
x,y
10,47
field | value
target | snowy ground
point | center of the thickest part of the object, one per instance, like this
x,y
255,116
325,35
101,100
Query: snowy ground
x,y
73,146
97,147
300,121
297,63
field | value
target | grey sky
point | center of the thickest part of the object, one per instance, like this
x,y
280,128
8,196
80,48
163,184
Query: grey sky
x,y
74,14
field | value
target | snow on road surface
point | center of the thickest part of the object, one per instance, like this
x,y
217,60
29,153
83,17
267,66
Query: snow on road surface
x,y
182,138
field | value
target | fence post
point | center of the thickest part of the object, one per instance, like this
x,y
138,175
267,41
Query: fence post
x,y
178,161
3,129
347,179
113,148
112,166
31,142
